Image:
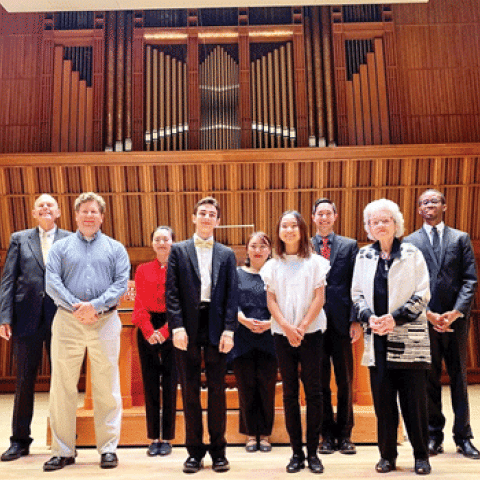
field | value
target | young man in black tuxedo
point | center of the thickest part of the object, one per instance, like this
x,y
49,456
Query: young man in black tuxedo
x,y
453,281
202,309
342,328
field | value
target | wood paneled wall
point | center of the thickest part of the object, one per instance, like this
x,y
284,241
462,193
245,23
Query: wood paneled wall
x,y
438,49
253,186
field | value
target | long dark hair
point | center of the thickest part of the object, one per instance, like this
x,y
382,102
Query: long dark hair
x,y
265,239
305,247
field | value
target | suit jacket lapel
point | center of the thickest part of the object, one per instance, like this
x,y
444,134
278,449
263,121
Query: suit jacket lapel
x,y
315,243
445,243
215,264
429,247
34,244
192,253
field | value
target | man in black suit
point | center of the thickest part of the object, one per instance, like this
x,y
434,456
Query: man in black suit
x,y
342,328
453,280
26,313
202,309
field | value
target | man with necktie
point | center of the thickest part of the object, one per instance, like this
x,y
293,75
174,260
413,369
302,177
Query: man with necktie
x,y
202,310
26,313
453,280
342,328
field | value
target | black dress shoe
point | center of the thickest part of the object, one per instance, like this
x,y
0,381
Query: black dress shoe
x,y
327,446
108,460
422,467
192,465
346,447
434,447
159,448
314,464
57,463
220,464
16,450
297,462
467,449
385,466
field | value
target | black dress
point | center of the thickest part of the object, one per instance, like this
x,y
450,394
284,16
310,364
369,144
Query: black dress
x,y
254,361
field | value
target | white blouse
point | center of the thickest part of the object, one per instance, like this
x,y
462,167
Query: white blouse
x,y
294,280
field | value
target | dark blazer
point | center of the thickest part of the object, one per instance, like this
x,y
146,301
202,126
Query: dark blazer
x,y
23,295
183,290
453,281
338,302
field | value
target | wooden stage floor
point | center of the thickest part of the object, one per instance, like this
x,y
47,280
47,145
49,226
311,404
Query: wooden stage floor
x,y
134,464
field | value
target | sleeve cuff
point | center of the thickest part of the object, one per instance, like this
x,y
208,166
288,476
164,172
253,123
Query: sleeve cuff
x,y
179,329
228,333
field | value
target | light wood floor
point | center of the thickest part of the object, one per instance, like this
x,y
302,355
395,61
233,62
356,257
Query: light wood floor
x,y
134,464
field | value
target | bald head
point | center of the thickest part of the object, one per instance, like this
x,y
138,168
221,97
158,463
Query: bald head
x,y
45,211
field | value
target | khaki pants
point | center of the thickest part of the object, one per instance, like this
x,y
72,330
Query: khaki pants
x,y
70,340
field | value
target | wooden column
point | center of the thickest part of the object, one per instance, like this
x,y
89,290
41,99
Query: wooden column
x,y
137,83
47,79
245,98
193,87
300,85
97,80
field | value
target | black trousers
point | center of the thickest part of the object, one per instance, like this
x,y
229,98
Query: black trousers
x,y
409,385
189,365
256,375
159,380
337,350
451,347
28,352
308,357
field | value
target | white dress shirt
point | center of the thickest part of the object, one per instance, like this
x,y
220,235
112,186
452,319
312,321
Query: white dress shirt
x,y
440,228
46,241
204,257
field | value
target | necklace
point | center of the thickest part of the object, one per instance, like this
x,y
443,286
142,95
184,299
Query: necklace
x,y
384,255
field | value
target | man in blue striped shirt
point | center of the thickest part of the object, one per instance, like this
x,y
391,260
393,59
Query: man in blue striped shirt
x,y
86,276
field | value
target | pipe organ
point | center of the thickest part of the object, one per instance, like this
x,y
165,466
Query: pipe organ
x,y
201,79
166,106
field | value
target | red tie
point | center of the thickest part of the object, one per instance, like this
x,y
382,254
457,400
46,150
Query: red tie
x,y
325,250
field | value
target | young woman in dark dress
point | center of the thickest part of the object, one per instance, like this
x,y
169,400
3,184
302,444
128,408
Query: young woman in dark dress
x,y
254,361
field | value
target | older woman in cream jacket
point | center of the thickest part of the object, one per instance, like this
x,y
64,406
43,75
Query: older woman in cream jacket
x,y
390,291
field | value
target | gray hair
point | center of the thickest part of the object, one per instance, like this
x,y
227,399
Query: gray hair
x,y
389,206
90,197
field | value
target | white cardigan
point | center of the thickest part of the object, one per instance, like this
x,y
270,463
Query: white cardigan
x,y
408,346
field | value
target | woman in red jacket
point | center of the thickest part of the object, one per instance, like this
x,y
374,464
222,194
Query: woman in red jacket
x,y
154,345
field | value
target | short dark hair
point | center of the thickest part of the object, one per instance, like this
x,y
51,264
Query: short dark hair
x,y
164,227
265,239
305,247
436,192
207,201
324,200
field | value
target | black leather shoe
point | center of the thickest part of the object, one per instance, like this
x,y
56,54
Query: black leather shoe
x,y
297,462
434,447
220,464
192,465
108,460
422,467
346,447
57,463
16,450
315,464
153,449
466,448
384,466
327,446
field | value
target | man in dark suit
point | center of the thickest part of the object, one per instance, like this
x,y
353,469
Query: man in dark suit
x,y
202,309
453,280
26,313
342,328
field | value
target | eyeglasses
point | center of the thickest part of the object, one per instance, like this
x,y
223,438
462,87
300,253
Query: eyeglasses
x,y
433,201
383,221
261,247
